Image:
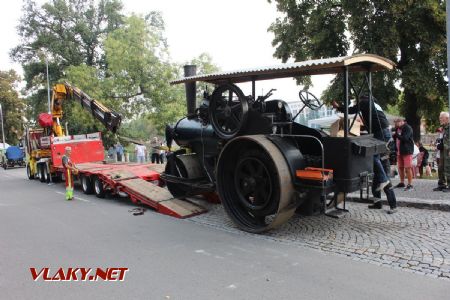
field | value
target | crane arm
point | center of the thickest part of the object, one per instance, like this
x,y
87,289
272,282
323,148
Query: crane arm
x,y
61,91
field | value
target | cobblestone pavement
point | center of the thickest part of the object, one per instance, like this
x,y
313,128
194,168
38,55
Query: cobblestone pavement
x,y
423,189
422,196
412,240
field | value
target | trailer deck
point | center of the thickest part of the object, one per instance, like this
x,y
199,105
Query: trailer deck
x,y
142,184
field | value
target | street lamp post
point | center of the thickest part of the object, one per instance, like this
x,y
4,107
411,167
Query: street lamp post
x,y
48,85
3,131
48,80
447,9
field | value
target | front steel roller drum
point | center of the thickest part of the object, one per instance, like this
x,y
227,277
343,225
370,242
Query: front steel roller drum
x,y
183,166
254,184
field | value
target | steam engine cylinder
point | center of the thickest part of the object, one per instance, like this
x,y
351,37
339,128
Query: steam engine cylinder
x,y
191,133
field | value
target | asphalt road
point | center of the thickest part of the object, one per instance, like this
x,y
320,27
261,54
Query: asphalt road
x,y
170,258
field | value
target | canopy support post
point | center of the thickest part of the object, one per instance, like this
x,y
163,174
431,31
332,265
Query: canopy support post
x,y
346,102
369,126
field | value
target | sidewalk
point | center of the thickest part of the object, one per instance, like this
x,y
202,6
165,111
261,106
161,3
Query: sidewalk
x,y
421,197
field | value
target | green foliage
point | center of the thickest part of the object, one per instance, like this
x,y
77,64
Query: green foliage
x,y
121,61
66,33
136,81
12,107
410,33
71,31
139,129
138,69
205,65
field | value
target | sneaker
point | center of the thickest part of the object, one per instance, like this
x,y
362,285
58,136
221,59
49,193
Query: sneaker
x,y
382,185
408,188
376,205
438,189
400,185
392,210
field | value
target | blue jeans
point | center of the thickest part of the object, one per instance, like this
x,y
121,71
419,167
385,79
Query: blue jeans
x,y
380,173
385,136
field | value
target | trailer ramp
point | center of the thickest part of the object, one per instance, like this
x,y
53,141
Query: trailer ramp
x,y
140,183
159,198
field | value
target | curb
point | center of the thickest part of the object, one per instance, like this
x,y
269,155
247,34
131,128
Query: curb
x,y
442,205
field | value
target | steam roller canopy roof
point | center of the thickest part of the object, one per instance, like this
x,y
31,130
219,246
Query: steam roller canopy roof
x,y
355,63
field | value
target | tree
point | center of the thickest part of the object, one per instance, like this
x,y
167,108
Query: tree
x,y
138,67
68,33
410,33
136,80
12,107
205,65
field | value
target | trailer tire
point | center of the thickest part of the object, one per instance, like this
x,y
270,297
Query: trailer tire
x,y
29,175
86,184
57,177
98,188
42,171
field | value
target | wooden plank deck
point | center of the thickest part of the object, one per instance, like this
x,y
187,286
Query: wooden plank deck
x,y
161,199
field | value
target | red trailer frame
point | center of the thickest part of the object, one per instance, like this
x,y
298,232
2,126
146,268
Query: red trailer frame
x,y
141,182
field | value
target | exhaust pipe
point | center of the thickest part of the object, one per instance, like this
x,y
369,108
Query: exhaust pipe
x,y
191,89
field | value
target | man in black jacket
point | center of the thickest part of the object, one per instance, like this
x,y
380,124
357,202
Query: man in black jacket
x,y
404,142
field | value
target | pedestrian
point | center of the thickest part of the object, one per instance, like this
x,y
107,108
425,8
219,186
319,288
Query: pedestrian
x,y
155,147
111,152
140,152
380,129
69,171
403,137
442,146
415,160
119,151
162,153
424,160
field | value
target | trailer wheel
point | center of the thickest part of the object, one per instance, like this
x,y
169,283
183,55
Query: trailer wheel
x,y
98,188
255,184
29,174
42,171
57,177
86,184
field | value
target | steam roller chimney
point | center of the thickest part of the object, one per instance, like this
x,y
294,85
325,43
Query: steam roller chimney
x,y
191,89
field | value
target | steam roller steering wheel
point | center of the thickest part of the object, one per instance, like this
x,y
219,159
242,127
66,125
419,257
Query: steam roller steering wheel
x,y
309,100
228,110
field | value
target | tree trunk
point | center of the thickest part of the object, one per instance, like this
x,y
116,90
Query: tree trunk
x,y
411,115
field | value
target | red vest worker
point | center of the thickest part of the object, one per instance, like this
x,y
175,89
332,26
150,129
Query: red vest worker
x,y
69,171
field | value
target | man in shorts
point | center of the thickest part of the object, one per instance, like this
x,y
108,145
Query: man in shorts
x,y
403,137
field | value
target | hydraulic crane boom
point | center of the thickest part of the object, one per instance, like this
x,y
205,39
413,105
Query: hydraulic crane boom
x,y
65,91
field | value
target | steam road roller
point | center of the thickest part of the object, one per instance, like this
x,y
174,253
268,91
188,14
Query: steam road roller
x,y
264,165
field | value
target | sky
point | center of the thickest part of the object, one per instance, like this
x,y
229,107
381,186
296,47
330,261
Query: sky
x,y
233,32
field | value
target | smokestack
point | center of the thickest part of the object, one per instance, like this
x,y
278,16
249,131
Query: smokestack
x,y
191,89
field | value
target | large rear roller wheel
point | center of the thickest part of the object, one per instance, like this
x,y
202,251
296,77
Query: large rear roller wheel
x,y
254,184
